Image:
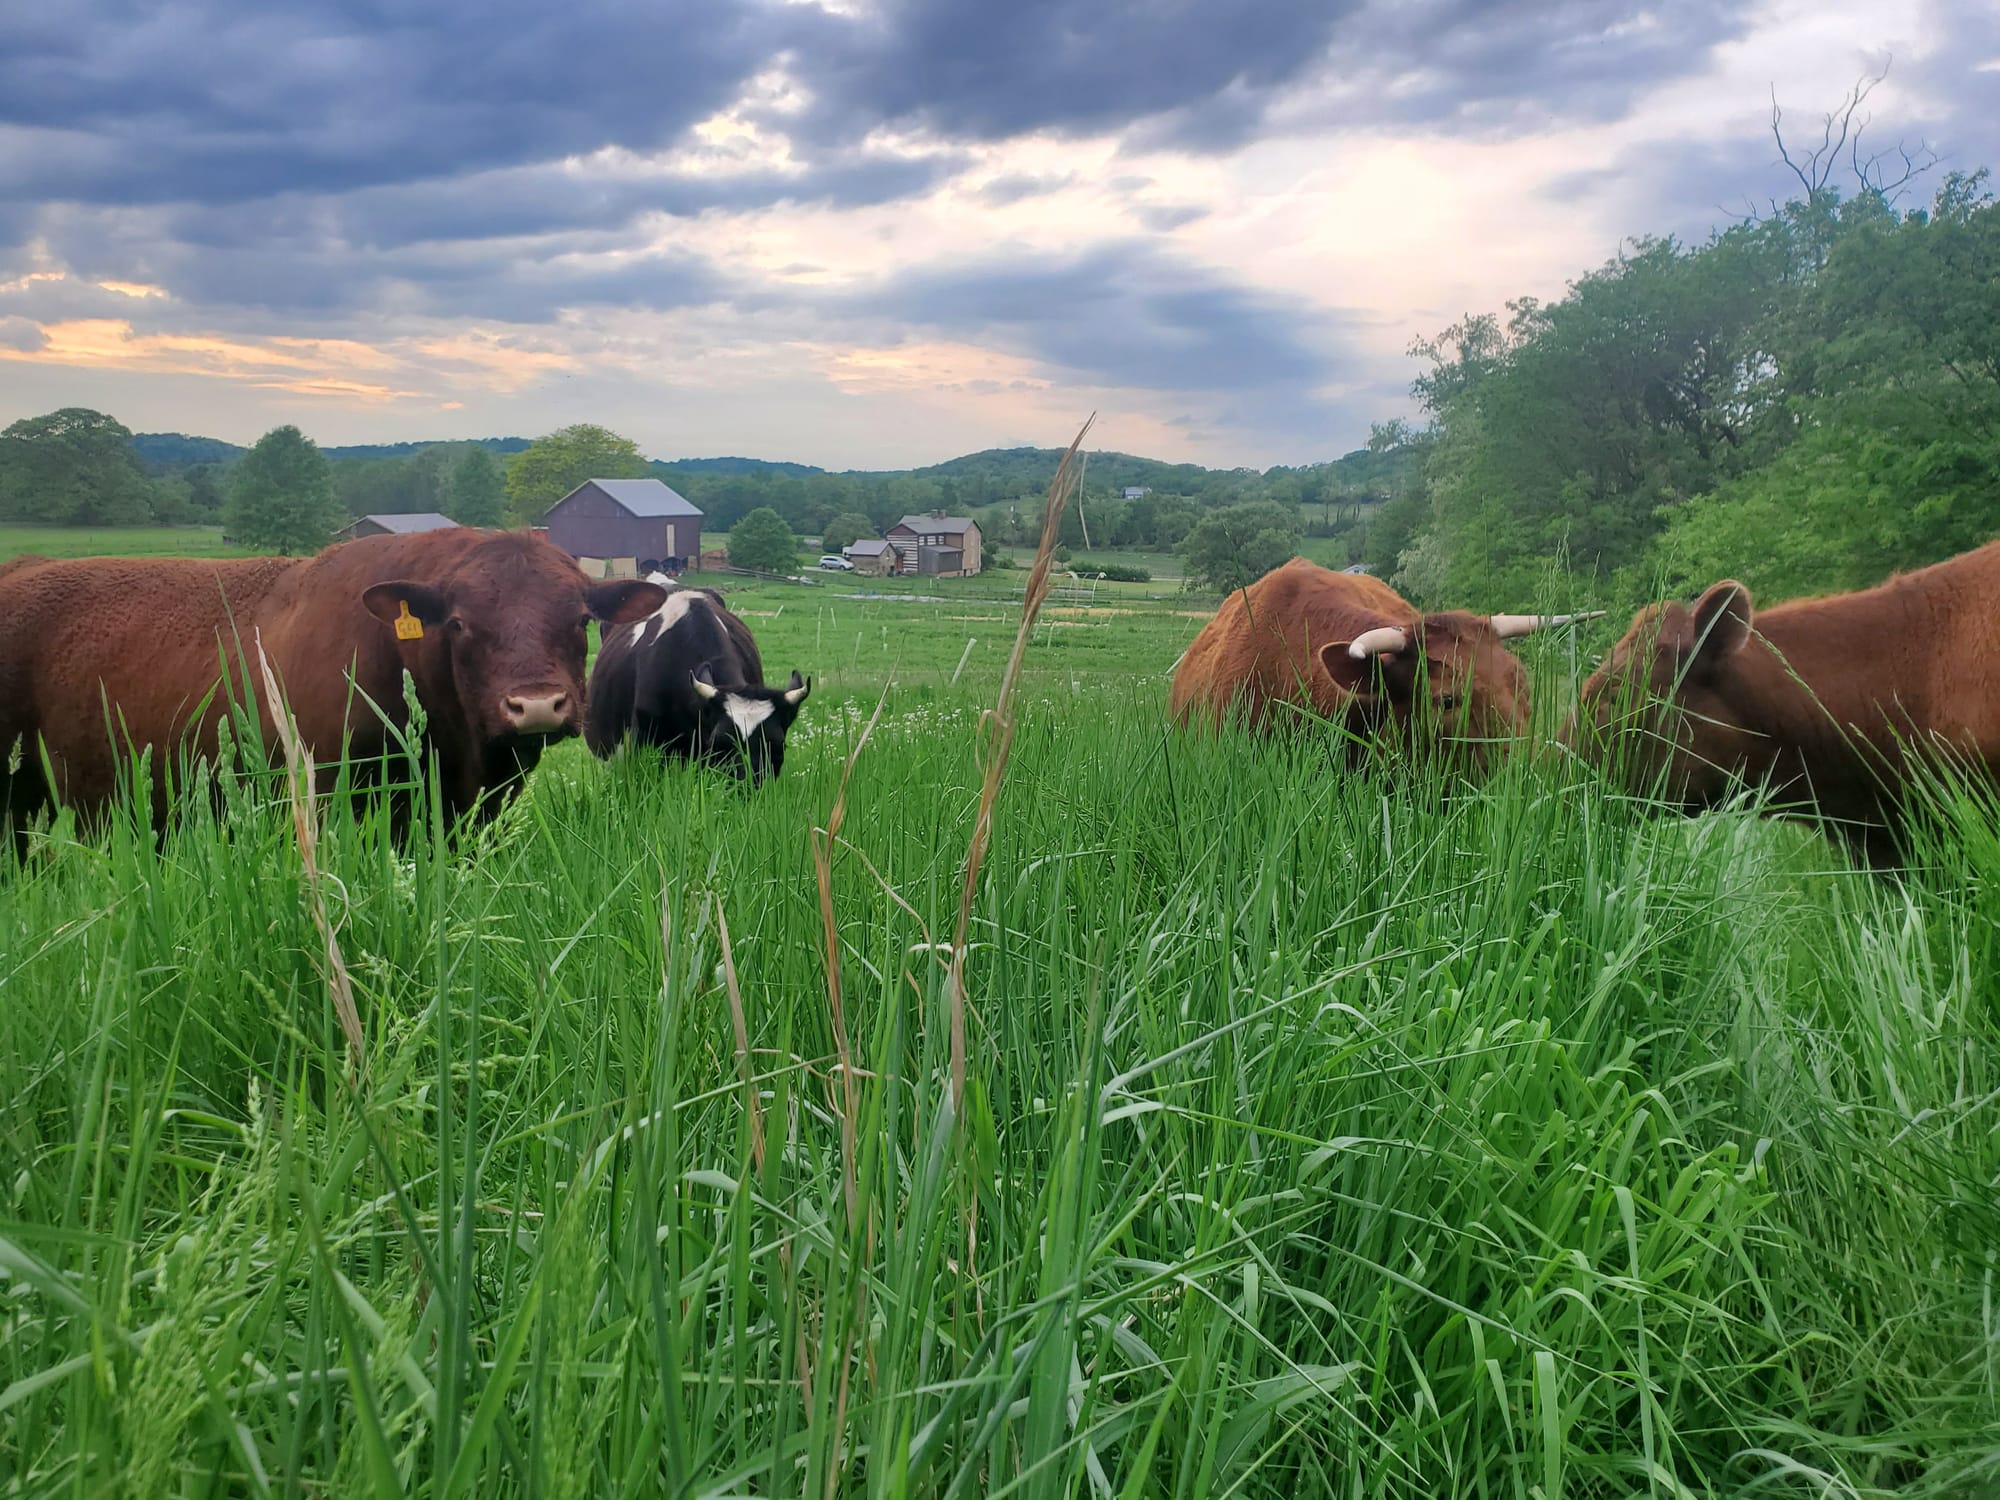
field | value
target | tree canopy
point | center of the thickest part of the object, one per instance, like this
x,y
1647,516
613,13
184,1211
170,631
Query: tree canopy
x,y
844,530
476,492
281,495
554,465
73,467
763,541
1230,548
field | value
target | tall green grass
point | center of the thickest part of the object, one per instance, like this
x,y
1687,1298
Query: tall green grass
x,y
1323,1133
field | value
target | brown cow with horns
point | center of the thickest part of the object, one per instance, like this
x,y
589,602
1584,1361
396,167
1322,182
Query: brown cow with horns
x,y
1829,702
1352,650
491,626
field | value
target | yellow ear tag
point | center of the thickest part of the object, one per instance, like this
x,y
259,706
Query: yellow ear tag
x,y
408,626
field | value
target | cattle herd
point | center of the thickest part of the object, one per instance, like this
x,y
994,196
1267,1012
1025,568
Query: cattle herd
x,y
1830,703
102,658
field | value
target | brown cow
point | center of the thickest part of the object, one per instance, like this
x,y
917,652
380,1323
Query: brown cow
x,y
490,625
1827,701
1354,651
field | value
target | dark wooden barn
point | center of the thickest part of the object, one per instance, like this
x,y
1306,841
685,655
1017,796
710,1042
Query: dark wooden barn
x,y
638,525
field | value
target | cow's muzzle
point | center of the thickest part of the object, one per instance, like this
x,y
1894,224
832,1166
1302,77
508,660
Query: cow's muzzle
x,y
548,713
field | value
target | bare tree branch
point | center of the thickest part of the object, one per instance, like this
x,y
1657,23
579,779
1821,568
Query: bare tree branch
x,y
1841,130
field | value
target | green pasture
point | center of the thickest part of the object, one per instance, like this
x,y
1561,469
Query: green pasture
x,y
1299,1132
114,541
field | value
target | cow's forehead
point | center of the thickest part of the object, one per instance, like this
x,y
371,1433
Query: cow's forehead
x,y
516,589
747,713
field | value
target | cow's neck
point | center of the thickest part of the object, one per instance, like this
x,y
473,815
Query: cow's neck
x,y
1819,706
447,739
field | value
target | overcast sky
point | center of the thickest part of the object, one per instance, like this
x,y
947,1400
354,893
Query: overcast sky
x,y
872,233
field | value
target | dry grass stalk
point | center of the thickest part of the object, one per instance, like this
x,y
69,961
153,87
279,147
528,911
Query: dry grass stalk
x,y
299,790
1000,739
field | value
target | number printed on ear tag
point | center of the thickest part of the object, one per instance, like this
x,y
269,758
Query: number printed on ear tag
x,y
408,626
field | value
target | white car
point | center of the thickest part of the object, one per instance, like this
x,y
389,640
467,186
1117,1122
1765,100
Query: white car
x,y
833,562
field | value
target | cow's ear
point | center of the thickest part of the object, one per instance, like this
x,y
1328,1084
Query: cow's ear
x,y
1351,673
797,690
1721,621
389,602
623,600
704,683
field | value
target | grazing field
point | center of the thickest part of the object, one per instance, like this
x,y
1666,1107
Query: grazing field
x,y
1317,1134
115,541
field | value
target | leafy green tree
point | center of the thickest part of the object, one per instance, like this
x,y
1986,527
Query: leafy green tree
x,y
72,467
170,500
1238,545
551,467
844,530
476,494
206,496
763,541
281,495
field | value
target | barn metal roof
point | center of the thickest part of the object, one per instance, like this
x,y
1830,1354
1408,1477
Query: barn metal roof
x,y
866,548
647,498
406,525
936,525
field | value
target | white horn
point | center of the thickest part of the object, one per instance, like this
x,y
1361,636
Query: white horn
x,y
1383,640
1509,626
706,688
796,693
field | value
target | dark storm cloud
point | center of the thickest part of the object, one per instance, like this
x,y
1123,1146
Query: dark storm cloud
x,y
1203,76
1163,217
1012,188
220,101
211,101
542,200
970,69
1516,65
308,278
1122,314
20,334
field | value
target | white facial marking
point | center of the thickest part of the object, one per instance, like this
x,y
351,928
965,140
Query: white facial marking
x,y
666,617
746,713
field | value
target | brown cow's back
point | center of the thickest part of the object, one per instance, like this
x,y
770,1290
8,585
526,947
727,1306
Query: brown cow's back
x,y
1927,642
142,633
1262,647
1823,699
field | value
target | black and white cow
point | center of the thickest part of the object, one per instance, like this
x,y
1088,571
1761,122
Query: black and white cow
x,y
688,679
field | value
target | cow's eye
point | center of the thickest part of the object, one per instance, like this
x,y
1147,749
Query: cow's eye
x,y
455,625
1448,702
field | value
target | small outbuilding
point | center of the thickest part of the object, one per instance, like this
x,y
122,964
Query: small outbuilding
x,y
397,525
936,545
870,555
630,526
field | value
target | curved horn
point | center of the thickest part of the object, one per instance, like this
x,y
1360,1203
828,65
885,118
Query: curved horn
x,y
1383,640
1509,626
796,693
704,685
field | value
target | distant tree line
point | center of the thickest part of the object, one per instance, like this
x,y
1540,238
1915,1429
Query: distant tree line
x,y
80,467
